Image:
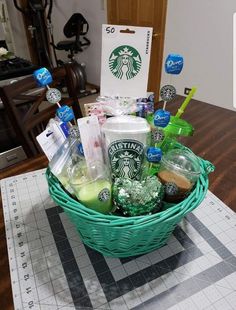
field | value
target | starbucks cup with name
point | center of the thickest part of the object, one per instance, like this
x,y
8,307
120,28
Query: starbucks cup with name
x,y
125,139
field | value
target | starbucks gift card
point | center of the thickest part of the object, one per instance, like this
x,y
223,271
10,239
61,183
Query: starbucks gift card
x,y
125,60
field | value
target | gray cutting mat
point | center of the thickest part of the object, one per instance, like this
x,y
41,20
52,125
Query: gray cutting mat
x,y
52,269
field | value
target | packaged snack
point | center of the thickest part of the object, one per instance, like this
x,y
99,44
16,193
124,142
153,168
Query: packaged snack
x,y
70,153
53,137
90,134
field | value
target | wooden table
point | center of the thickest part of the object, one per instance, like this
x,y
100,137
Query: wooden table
x,y
214,140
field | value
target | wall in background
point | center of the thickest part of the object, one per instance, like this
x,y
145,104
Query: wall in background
x,y
202,31
2,37
96,15
18,31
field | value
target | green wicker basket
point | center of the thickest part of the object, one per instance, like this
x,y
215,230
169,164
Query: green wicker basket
x,y
119,236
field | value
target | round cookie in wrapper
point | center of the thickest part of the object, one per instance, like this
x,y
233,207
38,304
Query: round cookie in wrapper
x,y
136,198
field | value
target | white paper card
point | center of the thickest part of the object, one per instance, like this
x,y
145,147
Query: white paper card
x,y
125,60
50,140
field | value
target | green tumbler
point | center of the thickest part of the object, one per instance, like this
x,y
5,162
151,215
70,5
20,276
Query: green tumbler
x,y
176,128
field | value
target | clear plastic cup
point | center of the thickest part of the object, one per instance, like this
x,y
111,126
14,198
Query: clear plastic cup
x,y
92,186
179,171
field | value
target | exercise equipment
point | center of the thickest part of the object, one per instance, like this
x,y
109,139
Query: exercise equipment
x,y
77,27
39,12
35,12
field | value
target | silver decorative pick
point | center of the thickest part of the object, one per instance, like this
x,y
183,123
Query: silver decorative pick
x,y
74,132
158,135
168,92
53,95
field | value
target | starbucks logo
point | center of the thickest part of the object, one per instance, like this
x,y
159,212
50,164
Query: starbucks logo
x,y
126,157
104,195
74,132
168,93
53,95
125,62
171,189
157,135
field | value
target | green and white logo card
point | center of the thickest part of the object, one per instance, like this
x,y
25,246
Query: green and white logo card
x,y
125,60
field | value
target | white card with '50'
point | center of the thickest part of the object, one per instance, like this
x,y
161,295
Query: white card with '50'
x,y
125,60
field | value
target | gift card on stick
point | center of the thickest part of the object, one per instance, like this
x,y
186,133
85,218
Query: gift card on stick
x,y
125,60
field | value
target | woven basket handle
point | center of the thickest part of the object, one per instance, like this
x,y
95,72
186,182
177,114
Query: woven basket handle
x,y
207,166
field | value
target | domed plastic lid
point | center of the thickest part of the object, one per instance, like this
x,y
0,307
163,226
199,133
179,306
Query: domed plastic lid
x,y
179,127
126,123
182,161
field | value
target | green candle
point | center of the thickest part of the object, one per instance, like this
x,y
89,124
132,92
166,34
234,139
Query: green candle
x,y
96,195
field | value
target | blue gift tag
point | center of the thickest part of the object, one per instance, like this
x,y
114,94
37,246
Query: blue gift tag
x,y
154,154
161,118
42,76
65,114
174,64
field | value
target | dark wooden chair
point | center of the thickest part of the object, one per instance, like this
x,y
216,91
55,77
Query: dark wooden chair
x,y
76,81
22,101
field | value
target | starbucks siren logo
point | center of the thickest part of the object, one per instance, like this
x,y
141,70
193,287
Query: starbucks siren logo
x,y
126,157
125,62
104,195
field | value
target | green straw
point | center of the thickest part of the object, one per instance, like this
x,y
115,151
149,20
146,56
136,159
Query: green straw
x,y
186,102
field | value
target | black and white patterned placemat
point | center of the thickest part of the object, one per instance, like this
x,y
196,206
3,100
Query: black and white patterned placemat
x,y
52,269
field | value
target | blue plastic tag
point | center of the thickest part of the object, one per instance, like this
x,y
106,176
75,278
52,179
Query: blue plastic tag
x,y
161,118
42,76
65,114
174,64
154,154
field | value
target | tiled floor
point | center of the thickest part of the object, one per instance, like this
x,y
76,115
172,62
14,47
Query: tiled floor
x,y
52,269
